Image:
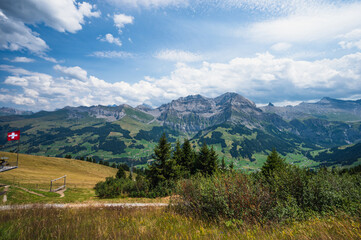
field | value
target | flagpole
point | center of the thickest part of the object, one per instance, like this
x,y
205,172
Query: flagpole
x,y
17,158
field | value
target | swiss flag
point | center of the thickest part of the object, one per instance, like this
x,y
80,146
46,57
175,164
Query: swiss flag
x,y
14,136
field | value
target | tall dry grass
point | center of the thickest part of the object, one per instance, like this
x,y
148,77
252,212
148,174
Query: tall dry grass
x,y
157,223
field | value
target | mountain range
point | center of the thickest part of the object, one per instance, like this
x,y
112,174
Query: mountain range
x,y
238,130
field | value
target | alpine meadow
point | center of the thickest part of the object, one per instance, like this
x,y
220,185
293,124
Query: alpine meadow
x,y
180,119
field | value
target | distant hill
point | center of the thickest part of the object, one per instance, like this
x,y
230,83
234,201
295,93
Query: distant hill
x,y
232,124
327,108
5,111
342,156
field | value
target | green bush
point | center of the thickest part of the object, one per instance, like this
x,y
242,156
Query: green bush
x,y
327,192
224,196
278,192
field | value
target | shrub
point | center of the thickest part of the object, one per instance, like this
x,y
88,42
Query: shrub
x,y
328,192
224,196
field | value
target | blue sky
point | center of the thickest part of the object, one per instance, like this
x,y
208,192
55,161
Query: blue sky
x,y
69,53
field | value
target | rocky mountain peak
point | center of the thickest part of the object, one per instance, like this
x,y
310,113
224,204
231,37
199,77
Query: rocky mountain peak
x,y
234,99
326,100
144,107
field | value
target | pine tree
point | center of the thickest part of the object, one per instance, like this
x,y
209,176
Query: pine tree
x,y
162,153
202,161
177,160
223,165
178,154
120,173
188,158
274,163
212,162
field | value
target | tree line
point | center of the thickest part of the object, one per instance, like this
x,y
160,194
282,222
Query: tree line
x,y
167,167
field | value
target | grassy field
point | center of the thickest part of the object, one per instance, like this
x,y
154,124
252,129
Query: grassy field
x,y
37,170
159,223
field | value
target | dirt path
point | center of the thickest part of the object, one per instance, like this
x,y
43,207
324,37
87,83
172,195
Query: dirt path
x,y
61,192
82,205
27,190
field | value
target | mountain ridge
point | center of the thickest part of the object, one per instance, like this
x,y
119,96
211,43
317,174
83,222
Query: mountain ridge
x,y
232,124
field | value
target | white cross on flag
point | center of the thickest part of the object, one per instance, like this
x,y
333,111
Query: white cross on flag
x,y
14,136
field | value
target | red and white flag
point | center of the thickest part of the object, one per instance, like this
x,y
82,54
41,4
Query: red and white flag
x,y
14,136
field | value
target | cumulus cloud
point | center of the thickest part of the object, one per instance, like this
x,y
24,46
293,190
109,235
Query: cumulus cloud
x,y
261,78
111,39
121,19
73,72
178,56
112,54
62,15
16,36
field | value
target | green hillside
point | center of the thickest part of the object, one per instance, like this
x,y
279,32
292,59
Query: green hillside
x,y
238,130
40,170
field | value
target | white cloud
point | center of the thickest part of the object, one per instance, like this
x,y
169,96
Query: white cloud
x,y
22,60
178,56
111,39
73,72
86,10
62,15
351,39
16,36
49,59
282,46
121,19
279,6
261,78
314,23
148,3
112,54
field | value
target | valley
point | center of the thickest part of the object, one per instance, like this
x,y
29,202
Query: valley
x,y
238,130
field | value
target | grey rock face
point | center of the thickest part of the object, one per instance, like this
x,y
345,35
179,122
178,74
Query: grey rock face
x,y
194,113
5,111
327,108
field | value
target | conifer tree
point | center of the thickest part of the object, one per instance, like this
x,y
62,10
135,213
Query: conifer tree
x,y
120,173
223,165
212,162
177,158
202,161
188,158
162,153
177,154
274,163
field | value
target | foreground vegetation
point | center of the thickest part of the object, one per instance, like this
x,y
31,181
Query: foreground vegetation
x,y
157,223
211,190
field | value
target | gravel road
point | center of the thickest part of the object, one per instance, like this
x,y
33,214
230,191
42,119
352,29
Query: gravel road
x,y
81,205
